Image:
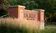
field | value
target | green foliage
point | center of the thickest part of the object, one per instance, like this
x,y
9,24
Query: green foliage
x,y
4,4
13,2
30,4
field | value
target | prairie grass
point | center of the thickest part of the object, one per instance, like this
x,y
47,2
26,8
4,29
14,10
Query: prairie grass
x,y
10,25
16,23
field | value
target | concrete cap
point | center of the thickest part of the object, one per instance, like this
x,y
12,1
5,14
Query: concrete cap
x,y
39,10
42,10
21,6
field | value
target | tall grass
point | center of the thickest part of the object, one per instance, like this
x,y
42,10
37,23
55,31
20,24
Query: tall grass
x,y
16,25
10,25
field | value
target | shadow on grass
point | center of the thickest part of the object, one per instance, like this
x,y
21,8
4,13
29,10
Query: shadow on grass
x,y
5,29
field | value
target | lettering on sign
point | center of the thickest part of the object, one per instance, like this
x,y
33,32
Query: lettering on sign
x,y
29,16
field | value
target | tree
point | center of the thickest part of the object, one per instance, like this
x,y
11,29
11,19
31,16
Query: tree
x,y
30,4
3,7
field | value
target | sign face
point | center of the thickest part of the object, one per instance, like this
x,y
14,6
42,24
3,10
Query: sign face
x,y
29,16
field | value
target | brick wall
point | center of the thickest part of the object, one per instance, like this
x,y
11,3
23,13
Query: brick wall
x,y
13,12
20,12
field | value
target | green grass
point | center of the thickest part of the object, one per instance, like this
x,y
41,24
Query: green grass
x,y
4,29
10,29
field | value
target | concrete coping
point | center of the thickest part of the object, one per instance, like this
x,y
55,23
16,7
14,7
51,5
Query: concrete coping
x,y
21,6
17,6
42,10
38,10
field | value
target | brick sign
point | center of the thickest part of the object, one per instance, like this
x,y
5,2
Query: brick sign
x,y
20,12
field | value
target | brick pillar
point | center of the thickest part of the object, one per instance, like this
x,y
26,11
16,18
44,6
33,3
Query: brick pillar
x,y
20,11
41,18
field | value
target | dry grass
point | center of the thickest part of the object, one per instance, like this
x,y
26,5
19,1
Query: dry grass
x,y
16,23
